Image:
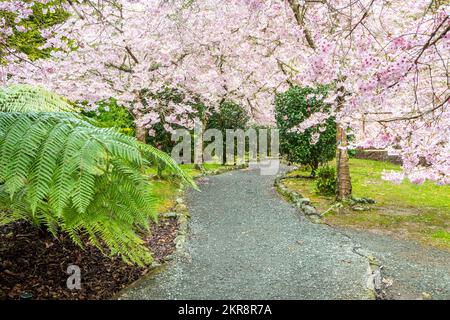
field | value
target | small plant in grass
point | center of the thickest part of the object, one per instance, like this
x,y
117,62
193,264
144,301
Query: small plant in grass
x,y
442,235
326,181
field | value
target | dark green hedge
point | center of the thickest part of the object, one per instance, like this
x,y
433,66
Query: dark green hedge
x,y
292,108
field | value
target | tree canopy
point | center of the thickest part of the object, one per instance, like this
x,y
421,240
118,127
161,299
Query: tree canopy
x,y
387,63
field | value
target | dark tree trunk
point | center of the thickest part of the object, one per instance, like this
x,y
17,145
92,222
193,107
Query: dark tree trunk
x,y
198,146
343,181
141,133
314,167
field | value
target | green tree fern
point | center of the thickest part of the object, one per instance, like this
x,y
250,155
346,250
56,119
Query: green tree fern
x,y
26,98
60,171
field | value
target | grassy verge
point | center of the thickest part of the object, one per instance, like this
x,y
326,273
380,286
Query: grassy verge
x,y
418,212
167,190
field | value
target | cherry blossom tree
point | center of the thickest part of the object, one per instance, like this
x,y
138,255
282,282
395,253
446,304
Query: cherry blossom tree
x,y
12,15
385,62
388,63
135,50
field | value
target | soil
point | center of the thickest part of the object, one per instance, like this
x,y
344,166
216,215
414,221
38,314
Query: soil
x,y
31,263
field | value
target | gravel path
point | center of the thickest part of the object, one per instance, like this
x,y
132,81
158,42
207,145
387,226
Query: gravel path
x,y
416,271
246,242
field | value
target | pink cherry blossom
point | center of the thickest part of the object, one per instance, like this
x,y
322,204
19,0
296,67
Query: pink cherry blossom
x,y
386,64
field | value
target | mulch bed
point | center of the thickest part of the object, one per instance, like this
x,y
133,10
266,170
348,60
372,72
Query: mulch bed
x,y
32,263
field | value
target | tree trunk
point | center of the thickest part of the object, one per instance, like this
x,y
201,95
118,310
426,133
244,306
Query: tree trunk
x,y
198,145
141,133
343,182
314,167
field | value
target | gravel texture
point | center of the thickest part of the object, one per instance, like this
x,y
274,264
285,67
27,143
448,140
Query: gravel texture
x,y
416,271
245,242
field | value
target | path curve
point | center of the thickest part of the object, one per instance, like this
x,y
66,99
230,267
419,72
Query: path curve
x,y
245,242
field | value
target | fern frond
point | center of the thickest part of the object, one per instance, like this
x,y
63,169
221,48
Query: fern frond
x,y
60,171
157,156
26,98
70,174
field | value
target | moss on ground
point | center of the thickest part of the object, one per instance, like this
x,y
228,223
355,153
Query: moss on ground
x,y
418,212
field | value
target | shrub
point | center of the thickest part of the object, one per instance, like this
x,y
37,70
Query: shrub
x,y
229,116
326,181
109,114
162,138
291,108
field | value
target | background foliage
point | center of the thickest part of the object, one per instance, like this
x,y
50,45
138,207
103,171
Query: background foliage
x,y
326,181
291,108
30,41
109,114
228,116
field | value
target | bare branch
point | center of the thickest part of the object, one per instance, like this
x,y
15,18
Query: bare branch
x,y
416,116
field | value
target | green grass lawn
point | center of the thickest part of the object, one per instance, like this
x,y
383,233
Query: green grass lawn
x,y
166,190
420,212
